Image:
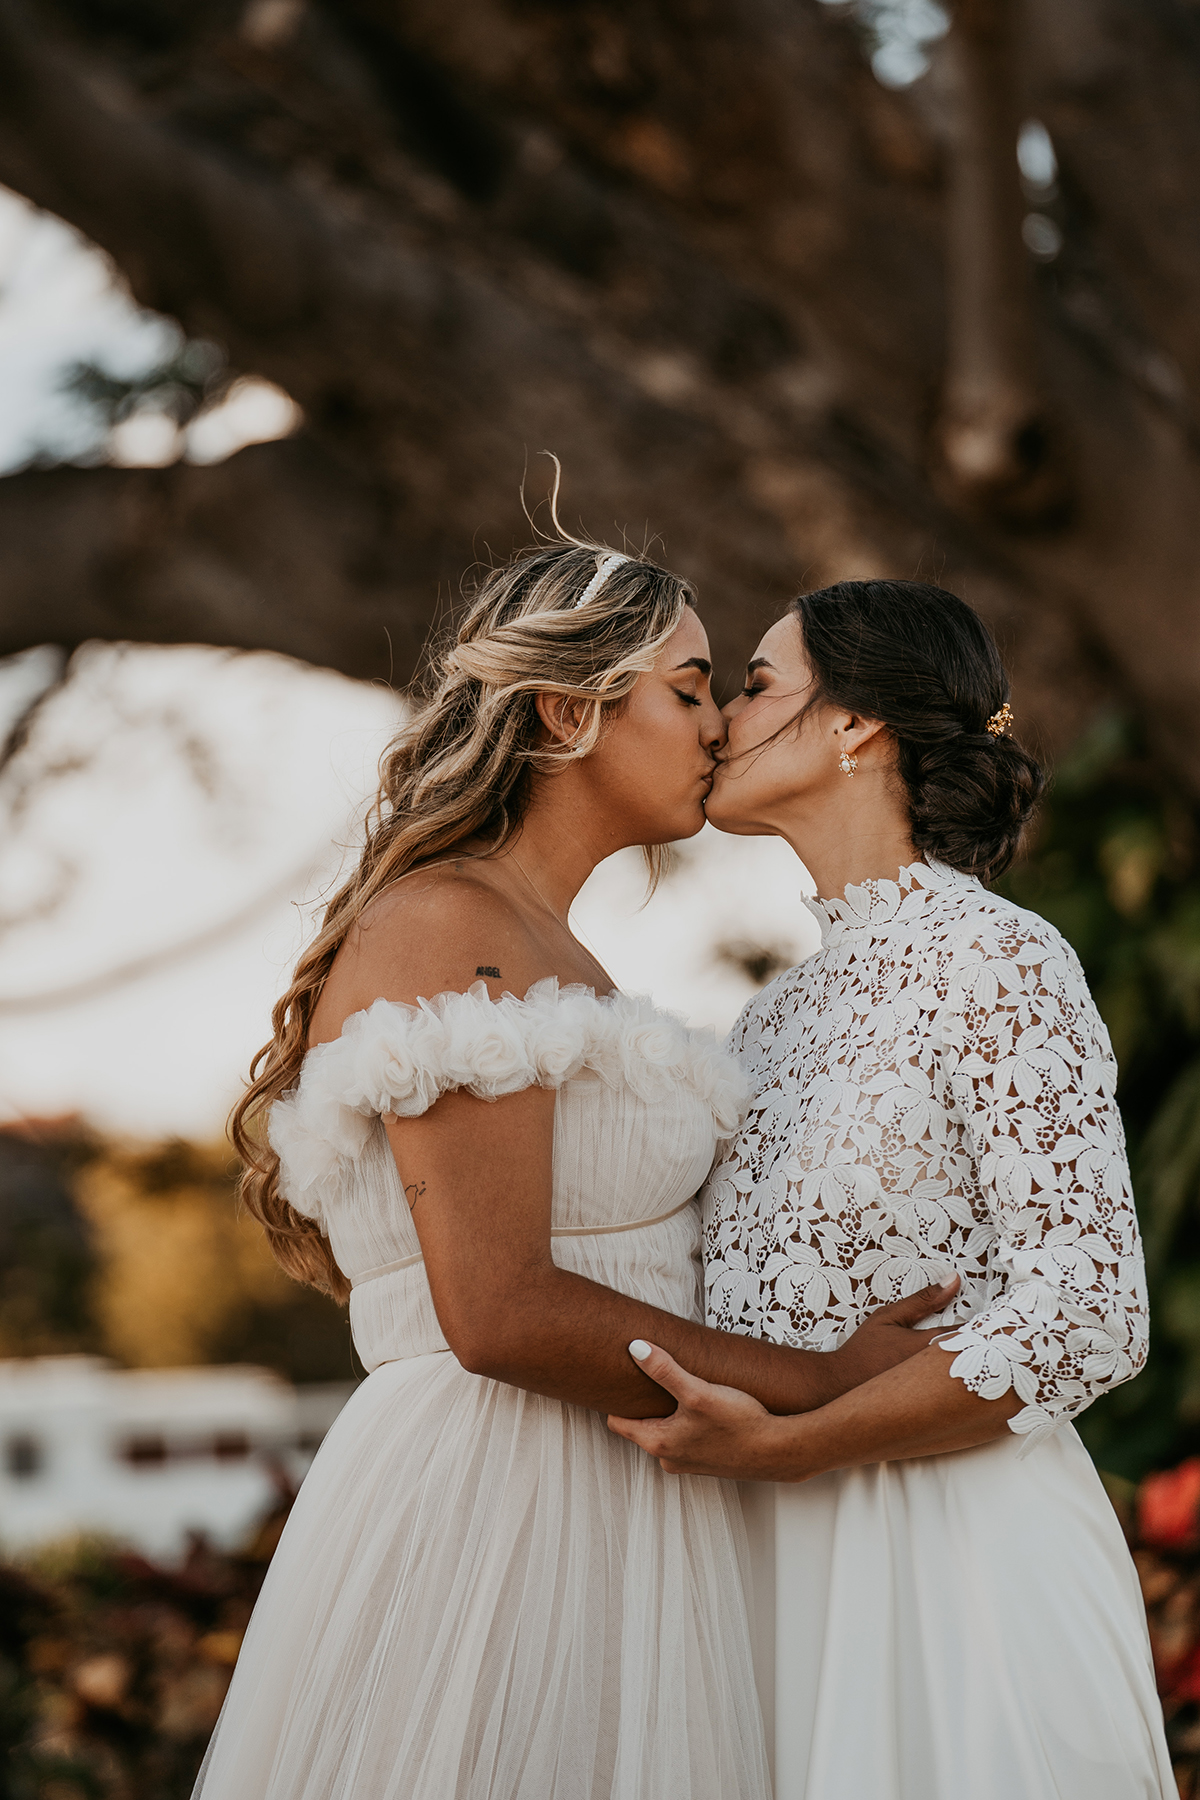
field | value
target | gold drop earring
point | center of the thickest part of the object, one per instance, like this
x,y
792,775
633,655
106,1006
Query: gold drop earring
x,y
847,763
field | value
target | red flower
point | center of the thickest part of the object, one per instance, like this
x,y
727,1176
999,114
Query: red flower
x,y
1168,1507
1182,1683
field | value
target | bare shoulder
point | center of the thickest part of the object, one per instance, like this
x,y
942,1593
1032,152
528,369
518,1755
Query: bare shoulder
x,y
436,931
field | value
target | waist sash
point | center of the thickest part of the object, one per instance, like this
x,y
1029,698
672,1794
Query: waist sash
x,y
556,1231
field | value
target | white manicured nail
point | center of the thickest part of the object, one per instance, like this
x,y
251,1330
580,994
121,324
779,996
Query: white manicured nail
x,y
640,1349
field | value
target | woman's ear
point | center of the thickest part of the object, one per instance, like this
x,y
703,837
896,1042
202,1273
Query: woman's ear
x,y
561,716
853,731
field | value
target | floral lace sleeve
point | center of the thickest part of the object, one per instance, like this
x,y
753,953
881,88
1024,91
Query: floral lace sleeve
x,y
1032,1076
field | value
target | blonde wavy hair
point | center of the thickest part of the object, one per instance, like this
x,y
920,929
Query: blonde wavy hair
x,y
460,772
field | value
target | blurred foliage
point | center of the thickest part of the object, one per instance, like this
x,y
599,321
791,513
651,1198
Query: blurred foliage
x,y
47,1257
758,963
113,1668
1116,866
897,35
141,1255
193,377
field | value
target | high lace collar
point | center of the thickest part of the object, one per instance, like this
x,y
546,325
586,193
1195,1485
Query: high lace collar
x,y
874,903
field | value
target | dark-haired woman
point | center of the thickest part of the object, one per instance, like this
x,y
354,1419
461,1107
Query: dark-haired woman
x,y
955,1613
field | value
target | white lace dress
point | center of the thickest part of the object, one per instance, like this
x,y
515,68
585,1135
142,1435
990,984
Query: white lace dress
x,y
933,1091
482,1594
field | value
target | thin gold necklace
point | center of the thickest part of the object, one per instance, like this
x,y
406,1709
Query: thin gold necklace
x,y
537,892
577,936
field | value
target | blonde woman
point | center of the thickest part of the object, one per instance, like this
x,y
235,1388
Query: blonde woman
x,y
955,1614
481,1593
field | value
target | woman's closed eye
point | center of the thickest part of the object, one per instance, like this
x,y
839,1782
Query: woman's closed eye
x,y
688,699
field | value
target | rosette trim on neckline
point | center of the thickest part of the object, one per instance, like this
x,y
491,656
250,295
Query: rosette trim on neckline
x,y
395,1060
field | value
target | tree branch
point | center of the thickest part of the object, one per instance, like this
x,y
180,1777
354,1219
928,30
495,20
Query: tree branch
x,y
279,548
19,731
696,253
153,962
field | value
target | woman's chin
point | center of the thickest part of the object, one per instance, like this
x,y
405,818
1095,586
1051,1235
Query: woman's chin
x,y
686,824
724,817
694,826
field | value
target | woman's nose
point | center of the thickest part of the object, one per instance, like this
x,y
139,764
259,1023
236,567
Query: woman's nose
x,y
716,730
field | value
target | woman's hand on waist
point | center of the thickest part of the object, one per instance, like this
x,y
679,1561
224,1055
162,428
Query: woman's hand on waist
x,y
919,1409
889,1336
713,1430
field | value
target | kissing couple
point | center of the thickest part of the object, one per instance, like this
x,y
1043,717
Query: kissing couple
x,y
716,1441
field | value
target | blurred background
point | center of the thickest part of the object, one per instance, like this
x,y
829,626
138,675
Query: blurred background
x,y
292,294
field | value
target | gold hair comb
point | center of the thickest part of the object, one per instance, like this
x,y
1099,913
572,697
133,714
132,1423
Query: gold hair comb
x,y
1000,721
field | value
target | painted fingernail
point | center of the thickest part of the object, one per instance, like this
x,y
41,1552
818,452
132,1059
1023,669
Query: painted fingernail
x,y
640,1349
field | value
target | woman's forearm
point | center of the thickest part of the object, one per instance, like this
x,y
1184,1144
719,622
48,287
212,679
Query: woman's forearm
x,y
510,1312
915,1409
565,1336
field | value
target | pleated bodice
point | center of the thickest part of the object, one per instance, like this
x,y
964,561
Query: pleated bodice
x,y
642,1102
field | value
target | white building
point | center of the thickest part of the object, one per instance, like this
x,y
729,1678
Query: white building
x,y
147,1455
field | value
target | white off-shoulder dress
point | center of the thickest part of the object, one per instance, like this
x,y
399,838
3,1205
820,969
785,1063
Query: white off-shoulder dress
x,y
482,1594
933,1092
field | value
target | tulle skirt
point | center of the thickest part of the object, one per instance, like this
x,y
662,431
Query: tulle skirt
x,y
485,1595
964,1627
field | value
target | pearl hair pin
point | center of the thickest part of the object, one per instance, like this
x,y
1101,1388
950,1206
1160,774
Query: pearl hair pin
x,y
604,569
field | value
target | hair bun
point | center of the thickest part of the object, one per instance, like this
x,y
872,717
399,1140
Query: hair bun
x,y
918,658
970,799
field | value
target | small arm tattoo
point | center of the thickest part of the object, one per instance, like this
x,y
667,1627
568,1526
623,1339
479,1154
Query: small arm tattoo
x,y
487,969
412,1193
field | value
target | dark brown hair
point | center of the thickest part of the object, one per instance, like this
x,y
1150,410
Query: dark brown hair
x,y
918,658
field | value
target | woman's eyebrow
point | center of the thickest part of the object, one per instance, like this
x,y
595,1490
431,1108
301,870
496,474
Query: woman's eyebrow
x,y
760,662
695,662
